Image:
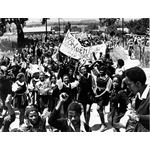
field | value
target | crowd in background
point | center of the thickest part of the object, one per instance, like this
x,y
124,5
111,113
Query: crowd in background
x,y
46,86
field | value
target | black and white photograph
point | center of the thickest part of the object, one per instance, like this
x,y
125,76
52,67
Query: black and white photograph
x,y
74,75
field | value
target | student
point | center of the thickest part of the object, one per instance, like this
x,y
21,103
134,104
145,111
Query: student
x,y
72,123
138,116
42,86
104,84
67,87
20,98
120,67
85,92
34,122
118,102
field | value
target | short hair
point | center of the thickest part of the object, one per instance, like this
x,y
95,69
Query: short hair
x,y
75,106
30,109
20,75
136,74
121,62
118,77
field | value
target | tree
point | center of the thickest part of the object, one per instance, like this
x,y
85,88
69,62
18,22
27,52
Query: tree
x,y
20,23
92,26
138,26
44,22
110,23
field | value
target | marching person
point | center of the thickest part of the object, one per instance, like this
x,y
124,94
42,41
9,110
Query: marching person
x,y
20,96
104,84
67,87
73,122
34,121
118,102
85,92
42,86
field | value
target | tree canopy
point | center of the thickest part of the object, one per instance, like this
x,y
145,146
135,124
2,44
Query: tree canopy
x,y
19,22
139,26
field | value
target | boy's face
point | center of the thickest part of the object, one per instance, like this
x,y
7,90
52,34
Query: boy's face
x,y
66,79
132,86
74,117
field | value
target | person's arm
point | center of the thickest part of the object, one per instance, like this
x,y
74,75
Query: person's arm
x,y
11,115
8,105
108,87
74,84
53,119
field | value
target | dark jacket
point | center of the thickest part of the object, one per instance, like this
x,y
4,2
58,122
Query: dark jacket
x,y
143,110
62,123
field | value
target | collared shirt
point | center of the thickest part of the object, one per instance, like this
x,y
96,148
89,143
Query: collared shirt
x,y
144,94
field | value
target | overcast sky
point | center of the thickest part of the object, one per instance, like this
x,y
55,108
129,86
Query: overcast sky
x,y
32,20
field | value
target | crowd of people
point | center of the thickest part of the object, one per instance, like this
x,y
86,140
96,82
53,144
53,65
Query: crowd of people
x,y
47,87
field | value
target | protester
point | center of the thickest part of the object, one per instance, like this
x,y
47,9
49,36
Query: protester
x,y
85,92
73,122
42,70
118,102
34,122
120,67
139,116
20,98
104,84
42,87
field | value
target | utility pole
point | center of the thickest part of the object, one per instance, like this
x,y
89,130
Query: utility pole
x,y
123,31
46,29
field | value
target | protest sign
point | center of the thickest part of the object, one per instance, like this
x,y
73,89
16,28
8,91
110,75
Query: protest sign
x,y
72,48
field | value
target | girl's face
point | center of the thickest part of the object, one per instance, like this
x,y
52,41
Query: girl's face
x,y
42,77
66,79
116,83
83,70
33,117
53,80
70,72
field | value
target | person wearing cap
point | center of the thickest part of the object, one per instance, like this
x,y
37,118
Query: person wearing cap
x,y
72,123
20,98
